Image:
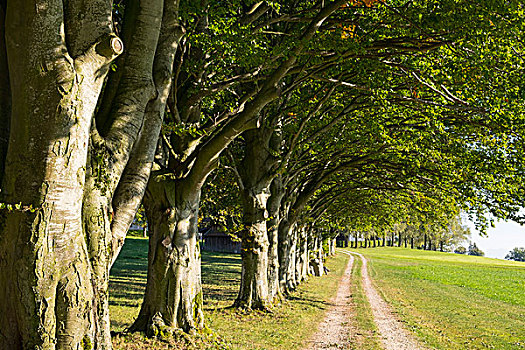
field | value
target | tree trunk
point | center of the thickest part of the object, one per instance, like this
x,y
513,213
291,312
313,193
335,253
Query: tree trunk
x,y
411,242
318,260
173,296
302,255
274,203
425,242
255,180
284,246
291,277
399,239
253,292
48,289
5,97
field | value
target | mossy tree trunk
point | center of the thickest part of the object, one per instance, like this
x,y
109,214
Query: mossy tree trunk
x,y
173,296
70,174
256,176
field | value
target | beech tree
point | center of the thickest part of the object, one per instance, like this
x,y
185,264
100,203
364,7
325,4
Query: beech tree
x,y
82,88
211,104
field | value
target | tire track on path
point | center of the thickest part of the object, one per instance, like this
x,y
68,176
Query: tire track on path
x,y
333,332
392,333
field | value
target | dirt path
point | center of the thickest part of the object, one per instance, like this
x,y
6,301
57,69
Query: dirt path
x,y
334,331
392,334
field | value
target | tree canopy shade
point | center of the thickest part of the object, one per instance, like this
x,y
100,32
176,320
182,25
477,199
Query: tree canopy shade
x,y
359,106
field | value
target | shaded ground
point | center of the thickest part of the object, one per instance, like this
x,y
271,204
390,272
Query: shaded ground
x,y
288,327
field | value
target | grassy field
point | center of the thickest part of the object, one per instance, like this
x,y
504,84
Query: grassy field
x,y
288,327
453,301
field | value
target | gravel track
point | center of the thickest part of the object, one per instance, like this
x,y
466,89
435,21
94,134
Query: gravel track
x,y
334,331
392,333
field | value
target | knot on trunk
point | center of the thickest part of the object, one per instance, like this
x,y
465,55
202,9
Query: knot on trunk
x,y
110,46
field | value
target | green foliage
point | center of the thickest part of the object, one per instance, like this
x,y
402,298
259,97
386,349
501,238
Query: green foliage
x,y
460,250
220,203
516,254
474,250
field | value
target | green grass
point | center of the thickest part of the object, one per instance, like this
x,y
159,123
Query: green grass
x,y
288,327
367,336
453,301
127,282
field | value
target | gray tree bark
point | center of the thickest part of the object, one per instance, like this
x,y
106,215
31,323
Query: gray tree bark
x,y
274,204
256,175
257,172
302,255
173,296
59,243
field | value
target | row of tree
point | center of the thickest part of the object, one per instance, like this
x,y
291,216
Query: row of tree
x,y
442,236
327,114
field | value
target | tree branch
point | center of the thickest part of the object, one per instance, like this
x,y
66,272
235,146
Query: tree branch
x,y
84,22
132,185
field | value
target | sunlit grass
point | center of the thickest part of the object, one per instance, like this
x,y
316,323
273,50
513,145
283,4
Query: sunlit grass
x,y
453,301
288,327
367,336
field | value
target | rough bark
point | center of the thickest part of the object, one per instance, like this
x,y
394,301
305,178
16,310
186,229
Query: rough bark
x,y
253,292
284,231
57,248
287,247
256,175
301,255
291,277
274,203
43,252
318,258
173,296
5,97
